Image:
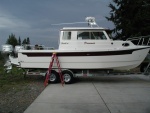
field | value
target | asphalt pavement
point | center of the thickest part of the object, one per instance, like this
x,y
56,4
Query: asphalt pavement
x,y
104,94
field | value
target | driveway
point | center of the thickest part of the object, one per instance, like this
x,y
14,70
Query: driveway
x,y
104,94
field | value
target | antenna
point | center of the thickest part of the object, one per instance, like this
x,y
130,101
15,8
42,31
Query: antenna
x,y
70,23
90,20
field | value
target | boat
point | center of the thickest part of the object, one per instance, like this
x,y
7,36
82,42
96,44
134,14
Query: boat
x,y
85,48
82,51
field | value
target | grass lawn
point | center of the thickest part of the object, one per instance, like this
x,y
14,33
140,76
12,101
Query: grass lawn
x,y
17,92
13,79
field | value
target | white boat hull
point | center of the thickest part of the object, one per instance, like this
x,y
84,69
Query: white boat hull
x,y
84,48
110,59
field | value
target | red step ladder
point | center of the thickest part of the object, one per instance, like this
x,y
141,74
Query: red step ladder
x,y
47,78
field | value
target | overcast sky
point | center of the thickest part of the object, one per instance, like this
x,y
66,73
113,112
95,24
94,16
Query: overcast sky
x,y
33,18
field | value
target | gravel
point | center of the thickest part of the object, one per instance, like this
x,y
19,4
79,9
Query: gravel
x,y
19,97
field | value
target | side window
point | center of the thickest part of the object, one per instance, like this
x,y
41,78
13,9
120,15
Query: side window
x,y
66,35
83,35
91,35
95,35
98,36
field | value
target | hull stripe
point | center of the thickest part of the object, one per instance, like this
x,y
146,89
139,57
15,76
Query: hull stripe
x,y
97,53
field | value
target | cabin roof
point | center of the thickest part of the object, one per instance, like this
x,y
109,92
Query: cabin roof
x,y
82,28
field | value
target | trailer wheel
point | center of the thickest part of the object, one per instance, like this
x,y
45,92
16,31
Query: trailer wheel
x,y
54,78
68,76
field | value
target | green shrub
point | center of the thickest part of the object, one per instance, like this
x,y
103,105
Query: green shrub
x,y
1,57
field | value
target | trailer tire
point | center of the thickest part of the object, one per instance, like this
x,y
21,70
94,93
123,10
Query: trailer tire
x,y
68,76
54,78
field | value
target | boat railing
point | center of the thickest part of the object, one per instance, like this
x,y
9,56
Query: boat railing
x,y
141,40
37,47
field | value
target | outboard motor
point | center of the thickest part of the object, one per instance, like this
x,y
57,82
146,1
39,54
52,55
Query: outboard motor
x,y
7,48
6,51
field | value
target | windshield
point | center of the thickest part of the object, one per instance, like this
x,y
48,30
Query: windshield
x,y
109,33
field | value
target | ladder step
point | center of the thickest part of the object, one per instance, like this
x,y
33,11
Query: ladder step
x,y
47,78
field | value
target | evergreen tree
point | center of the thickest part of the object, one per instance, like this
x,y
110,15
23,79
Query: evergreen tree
x,y
24,41
28,40
12,40
130,17
19,41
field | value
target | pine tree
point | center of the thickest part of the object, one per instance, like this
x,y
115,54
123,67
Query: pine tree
x,y
19,41
12,40
130,17
28,40
24,41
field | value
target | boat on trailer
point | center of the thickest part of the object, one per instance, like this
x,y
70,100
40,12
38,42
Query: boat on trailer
x,y
85,48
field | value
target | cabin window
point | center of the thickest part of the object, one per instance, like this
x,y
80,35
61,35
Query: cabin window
x,y
98,36
91,36
66,35
83,36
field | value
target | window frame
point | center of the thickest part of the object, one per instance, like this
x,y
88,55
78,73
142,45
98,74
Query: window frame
x,y
90,35
66,35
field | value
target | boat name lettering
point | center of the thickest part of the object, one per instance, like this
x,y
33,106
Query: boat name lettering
x,y
64,43
89,42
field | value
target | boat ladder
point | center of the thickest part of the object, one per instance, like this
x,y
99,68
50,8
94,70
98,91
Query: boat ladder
x,y
47,78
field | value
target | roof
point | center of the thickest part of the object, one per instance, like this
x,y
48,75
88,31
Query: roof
x,y
82,28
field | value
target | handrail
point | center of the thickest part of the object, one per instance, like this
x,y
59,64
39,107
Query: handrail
x,y
37,47
141,40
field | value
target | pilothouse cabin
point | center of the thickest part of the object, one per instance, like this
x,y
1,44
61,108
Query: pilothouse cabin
x,y
83,38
